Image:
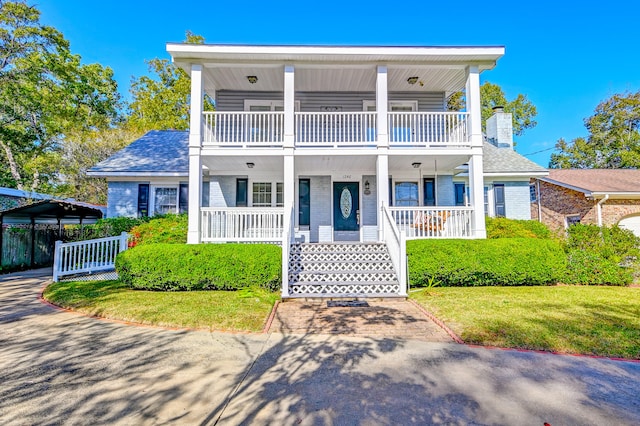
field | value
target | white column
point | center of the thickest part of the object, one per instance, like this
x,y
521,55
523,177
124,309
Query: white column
x,y
195,161
382,185
476,175
382,106
289,106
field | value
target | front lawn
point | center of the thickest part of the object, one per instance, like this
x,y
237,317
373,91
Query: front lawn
x,y
244,310
602,321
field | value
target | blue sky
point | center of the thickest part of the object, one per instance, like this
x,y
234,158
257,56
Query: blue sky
x,y
566,56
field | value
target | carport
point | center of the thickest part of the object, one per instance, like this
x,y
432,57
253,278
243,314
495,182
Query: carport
x,y
28,233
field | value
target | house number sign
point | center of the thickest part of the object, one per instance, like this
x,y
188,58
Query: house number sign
x,y
346,202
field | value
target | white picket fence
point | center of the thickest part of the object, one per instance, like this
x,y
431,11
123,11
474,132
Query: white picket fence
x,y
87,257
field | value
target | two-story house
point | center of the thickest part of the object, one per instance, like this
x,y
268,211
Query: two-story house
x,y
320,147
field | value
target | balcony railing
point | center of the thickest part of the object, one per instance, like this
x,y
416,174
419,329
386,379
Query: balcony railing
x,y
242,224
433,222
336,129
430,129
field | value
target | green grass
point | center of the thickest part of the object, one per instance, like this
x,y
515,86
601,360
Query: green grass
x,y
244,310
603,321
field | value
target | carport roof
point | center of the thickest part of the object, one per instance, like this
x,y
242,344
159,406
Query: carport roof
x,y
53,209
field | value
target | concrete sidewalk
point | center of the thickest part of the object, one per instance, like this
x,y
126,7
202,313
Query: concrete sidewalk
x,y
63,368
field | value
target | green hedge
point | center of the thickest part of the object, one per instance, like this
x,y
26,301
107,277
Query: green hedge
x,y
174,267
466,263
596,255
501,227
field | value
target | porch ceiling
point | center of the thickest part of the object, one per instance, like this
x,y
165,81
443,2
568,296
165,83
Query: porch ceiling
x,y
333,68
271,79
237,165
428,164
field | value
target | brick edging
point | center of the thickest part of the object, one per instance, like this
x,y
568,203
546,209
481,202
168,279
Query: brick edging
x,y
272,315
439,323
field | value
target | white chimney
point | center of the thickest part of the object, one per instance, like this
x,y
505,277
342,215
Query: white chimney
x,y
500,128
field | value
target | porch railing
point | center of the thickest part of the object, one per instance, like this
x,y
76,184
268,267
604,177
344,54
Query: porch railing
x,y
428,129
397,245
242,129
335,128
433,222
242,224
84,257
288,238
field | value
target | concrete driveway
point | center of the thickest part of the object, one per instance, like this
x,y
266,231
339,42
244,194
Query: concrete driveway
x,y
62,368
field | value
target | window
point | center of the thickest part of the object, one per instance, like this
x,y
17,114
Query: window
x,y
460,194
406,194
486,200
261,194
165,200
533,194
279,194
429,192
498,199
572,219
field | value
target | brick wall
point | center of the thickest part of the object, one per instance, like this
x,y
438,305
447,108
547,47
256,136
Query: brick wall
x,y
558,202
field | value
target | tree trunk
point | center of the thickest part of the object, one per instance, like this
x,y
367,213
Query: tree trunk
x,y
13,166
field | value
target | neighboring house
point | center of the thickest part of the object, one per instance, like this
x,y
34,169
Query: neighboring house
x,y
11,198
590,196
328,144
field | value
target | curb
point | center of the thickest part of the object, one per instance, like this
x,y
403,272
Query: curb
x,y
272,315
439,323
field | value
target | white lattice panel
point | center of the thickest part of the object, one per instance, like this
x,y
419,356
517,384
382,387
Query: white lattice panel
x,y
341,289
339,257
344,277
337,247
341,266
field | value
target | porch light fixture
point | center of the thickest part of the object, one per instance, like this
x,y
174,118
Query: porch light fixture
x,y
416,165
412,80
252,79
367,190
250,165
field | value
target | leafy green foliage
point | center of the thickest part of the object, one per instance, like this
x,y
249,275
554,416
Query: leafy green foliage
x,y
45,92
491,95
173,267
507,261
109,227
613,141
170,228
600,255
162,102
501,227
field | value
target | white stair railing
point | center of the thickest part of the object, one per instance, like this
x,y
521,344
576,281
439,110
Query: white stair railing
x,y
287,239
89,256
397,245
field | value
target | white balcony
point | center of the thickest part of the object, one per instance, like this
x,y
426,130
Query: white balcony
x,y
336,129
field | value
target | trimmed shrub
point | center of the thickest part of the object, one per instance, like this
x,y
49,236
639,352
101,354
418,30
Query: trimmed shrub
x,y
174,267
497,262
600,255
501,227
170,228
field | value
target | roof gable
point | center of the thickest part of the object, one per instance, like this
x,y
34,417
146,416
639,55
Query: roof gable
x,y
158,152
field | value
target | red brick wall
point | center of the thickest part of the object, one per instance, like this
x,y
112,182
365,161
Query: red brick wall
x,y
557,202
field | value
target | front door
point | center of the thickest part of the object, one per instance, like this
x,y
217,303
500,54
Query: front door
x,y
346,210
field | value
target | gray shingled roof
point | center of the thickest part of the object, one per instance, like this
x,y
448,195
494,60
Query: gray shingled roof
x,y
506,160
166,152
158,152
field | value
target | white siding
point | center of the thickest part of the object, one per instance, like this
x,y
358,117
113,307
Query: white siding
x,y
122,199
445,194
517,200
369,209
320,205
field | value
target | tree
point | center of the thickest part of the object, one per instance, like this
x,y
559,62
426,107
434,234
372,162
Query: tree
x,y
491,95
162,102
613,141
45,92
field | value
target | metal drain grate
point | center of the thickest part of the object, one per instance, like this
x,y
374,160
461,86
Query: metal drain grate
x,y
347,304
